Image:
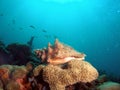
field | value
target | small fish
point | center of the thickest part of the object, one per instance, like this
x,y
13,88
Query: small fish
x,y
33,27
44,30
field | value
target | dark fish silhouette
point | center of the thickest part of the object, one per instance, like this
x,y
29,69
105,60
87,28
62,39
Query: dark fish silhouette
x,y
33,27
30,42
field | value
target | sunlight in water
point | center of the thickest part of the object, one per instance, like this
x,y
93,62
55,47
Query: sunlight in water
x,y
63,1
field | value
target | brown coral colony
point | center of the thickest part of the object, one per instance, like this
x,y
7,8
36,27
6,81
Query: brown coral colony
x,y
60,68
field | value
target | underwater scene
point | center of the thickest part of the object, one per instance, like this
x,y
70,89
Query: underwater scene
x,y
59,44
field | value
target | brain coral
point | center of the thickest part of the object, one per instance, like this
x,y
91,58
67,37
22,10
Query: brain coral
x,y
75,71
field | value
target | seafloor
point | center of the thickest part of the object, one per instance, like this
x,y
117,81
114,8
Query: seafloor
x,y
22,69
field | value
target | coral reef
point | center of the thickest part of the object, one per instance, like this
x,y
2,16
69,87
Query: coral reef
x,y
109,86
4,54
102,78
21,78
17,54
20,53
110,76
57,67
12,77
75,71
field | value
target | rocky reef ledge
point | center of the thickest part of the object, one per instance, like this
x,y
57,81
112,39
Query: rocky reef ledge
x,y
57,67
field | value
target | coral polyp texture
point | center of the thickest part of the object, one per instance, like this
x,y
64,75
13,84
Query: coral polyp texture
x,y
12,77
61,67
75,71
58,53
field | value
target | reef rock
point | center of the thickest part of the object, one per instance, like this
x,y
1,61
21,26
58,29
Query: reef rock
x,y
61,68
109,86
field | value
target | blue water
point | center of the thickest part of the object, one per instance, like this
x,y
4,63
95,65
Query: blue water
x,y
89,26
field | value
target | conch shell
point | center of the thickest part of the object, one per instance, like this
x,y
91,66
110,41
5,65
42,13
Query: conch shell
x,y
58,53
